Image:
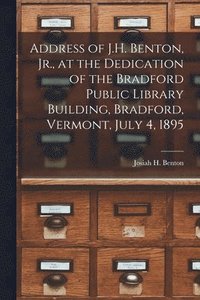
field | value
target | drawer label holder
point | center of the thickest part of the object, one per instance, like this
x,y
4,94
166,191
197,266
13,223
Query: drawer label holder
x,y
55,209
121,265
195,21
56,22
194,265
194,208
125,22
132,209
63,265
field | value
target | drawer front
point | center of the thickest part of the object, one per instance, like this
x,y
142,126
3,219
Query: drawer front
x,y
148,17
187,17
187,215
187,140
51,272
53,152
186,271
132,215
114,265
44,18
125,147
51,91
55,215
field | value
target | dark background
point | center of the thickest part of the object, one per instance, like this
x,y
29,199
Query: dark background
x,y
7,150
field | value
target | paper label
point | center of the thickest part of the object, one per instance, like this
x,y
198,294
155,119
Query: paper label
x,y
133,22
55,81
56,164
133,231
56,23
55,266
195,265
132,266
55,209
130,290
48,291
196,21
56,138
50,234
131,138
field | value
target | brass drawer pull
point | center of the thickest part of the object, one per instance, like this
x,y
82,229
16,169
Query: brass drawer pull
x,y
55,94
55,280
55,222
197,279
55,36
132,36
131,278
55,151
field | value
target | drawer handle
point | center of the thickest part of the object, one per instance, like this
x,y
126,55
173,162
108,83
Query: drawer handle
x,y
132,36
55,280
55,222
131,278
198,223
131,151
197,279
55,94
55,37
55,151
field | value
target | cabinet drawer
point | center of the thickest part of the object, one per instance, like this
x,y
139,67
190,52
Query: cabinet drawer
x,y
187,140
50,90
55,272
187,215
128,147
145,17
52,152
186,272
118,267
55,215
44,18
187,17
132,215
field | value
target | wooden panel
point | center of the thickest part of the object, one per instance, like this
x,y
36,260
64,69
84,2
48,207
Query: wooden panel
x,y
183,279
30,13
153,225
157,13
78,221
153,280
184,222
183,14
32,279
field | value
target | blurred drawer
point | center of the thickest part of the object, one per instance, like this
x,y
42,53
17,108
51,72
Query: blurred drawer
x,y
190,99
186,272
131,272
127,147
55,272
47,152
50,90
187,142
45,18
187,17
187,215
144,17
55,215
131,215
